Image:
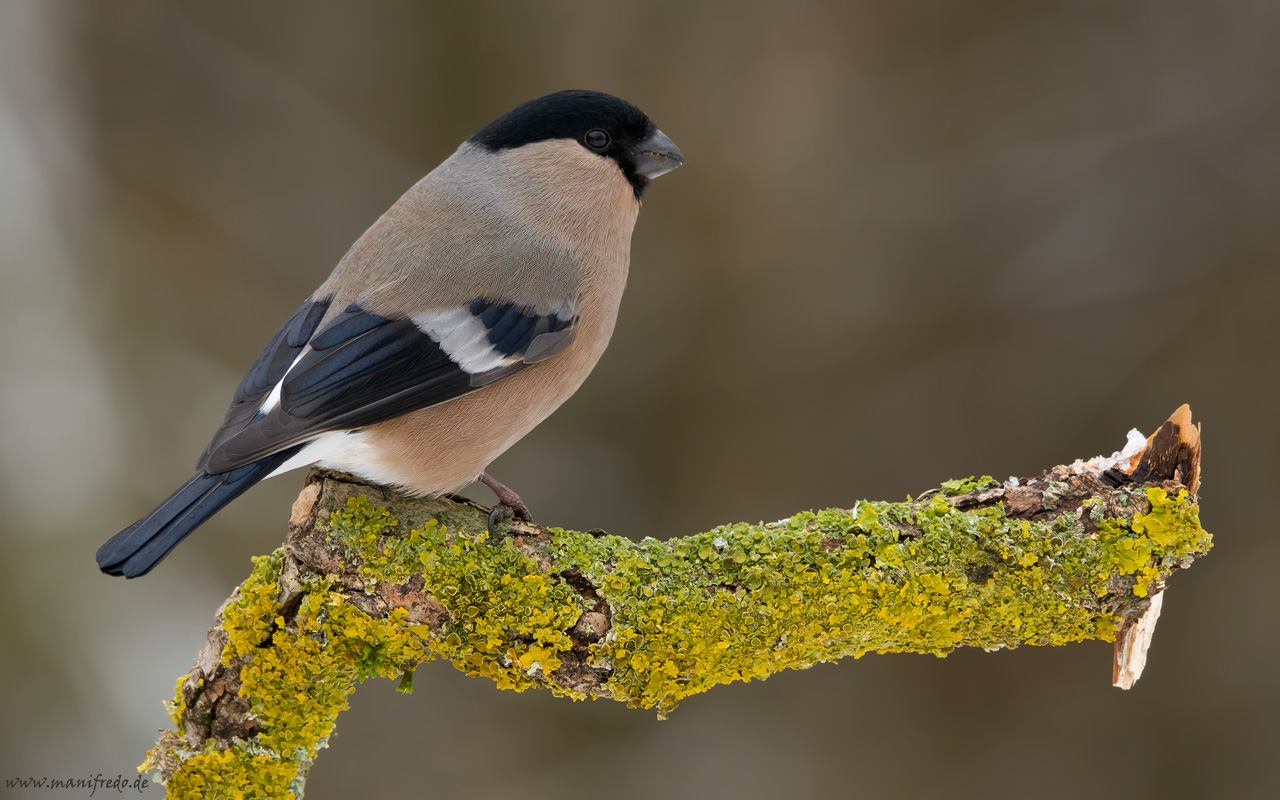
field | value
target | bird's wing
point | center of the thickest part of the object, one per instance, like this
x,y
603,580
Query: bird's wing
x,y
361,368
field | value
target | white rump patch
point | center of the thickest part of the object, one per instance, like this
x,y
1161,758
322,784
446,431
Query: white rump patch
x,y
326,447
344,451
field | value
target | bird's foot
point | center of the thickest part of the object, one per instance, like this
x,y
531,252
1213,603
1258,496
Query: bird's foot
x,y
509,503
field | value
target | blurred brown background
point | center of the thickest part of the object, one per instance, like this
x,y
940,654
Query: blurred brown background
x,y
913,241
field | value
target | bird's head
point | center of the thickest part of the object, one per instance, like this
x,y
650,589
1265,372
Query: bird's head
x,y
585,123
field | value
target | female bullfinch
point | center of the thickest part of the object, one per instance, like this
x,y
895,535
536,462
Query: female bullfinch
x,y
470,311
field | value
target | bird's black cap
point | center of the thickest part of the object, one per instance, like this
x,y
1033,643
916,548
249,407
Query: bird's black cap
x,y
572,115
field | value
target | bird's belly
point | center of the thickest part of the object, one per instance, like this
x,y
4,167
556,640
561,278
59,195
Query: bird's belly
x,y
445,447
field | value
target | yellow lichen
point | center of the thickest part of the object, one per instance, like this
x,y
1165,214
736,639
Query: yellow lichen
x,y
736,603
296,676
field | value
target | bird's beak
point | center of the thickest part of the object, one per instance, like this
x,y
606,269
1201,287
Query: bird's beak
x,y
657,155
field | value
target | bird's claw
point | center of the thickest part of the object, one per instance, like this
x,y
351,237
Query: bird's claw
x,y
509,503
499,513
503,512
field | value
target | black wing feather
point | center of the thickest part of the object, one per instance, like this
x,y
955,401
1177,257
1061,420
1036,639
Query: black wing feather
x,y
364,368
267,370
388,359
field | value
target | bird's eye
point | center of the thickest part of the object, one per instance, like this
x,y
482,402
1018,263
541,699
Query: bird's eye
x,y
596,139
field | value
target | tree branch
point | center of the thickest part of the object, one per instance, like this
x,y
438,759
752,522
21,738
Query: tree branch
x,y
373,584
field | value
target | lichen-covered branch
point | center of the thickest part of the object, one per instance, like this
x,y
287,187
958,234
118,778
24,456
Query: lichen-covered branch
x,y
372,585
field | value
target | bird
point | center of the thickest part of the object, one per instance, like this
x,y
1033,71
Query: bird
x,y
463,317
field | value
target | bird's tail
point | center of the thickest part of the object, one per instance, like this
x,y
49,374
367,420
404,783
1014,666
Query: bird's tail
x,y
139,547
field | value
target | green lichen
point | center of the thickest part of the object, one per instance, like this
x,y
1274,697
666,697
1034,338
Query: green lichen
x,y
1154,544
508,619
957,486
742,602
235,774
296,676
736,603
367,532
